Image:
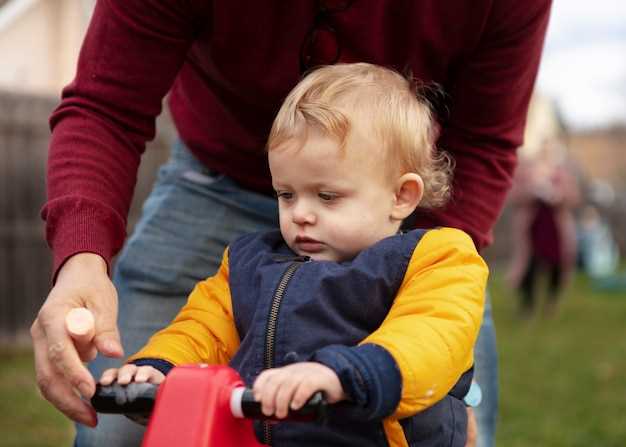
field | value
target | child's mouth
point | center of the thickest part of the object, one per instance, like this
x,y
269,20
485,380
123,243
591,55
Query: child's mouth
x,y
309,245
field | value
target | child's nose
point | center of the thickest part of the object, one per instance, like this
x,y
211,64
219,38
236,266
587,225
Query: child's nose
x,y
303,214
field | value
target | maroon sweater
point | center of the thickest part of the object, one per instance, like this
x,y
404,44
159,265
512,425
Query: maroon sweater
x,y
229,64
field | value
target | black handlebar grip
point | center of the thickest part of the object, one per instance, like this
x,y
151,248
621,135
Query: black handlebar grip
x,y
135,400
313,410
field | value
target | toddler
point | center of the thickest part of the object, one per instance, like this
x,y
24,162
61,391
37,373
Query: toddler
x,y
340,300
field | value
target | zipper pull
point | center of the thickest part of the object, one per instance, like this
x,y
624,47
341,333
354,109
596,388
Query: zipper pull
x,y
289,258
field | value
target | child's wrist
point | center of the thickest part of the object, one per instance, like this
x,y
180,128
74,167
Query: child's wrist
x,y
337,393
159,364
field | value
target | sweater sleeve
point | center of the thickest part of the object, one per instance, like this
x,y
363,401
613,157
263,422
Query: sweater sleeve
x,y
204,330
130,56
489,97
426,341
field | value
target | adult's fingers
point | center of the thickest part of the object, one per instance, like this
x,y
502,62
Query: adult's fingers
x,y
83,282
61,352
55,386
107,336
86,353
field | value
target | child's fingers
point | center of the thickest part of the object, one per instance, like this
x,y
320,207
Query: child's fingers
x,y
126,373
108,376
265,389
143,374
302,394
257,386
157,377
260,383
284,395
148,374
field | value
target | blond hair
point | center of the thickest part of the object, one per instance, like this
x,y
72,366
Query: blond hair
x,y
328,97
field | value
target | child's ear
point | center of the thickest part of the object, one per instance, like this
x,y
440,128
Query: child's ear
x,y
409,189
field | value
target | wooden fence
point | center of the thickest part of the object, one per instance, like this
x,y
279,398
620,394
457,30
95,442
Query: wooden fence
x,y
25,260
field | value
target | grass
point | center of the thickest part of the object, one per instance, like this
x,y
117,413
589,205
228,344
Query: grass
x,y
563,379
26,420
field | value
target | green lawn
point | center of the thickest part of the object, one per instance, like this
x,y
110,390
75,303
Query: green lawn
x,y
563,380
26,420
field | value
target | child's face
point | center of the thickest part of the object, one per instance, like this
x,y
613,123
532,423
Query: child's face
x,y
332,203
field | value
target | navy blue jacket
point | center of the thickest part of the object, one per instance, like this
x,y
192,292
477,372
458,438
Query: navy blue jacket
x,y
287,308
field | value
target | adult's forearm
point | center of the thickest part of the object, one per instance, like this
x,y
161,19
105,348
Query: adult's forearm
x,y
489,97
91,177
127,63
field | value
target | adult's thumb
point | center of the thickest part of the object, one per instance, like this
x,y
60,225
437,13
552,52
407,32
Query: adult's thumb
x,y
107,338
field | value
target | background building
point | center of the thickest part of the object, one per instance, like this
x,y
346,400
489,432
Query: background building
x,y
39,43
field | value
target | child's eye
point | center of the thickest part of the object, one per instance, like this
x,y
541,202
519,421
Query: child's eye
x,y
327,196
284,195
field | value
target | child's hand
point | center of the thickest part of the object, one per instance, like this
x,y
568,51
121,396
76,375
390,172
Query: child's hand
x,y
129,373
279,389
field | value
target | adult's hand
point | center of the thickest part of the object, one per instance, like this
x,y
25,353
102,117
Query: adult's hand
x,y
82,282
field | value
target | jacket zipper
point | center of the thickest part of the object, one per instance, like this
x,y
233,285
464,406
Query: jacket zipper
x,y
272,323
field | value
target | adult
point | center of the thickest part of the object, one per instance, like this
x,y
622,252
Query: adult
x,y
227,66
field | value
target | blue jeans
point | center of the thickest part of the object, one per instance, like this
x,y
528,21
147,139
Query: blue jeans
x,y
189,218
486,374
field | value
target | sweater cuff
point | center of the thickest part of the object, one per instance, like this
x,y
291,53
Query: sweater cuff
x,y
80,225
369,376
162,365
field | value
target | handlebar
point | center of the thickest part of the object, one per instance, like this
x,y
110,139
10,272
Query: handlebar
x,y
313,410
136,401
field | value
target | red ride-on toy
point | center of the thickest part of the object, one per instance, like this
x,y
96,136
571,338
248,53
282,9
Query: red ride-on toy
x,y
196,406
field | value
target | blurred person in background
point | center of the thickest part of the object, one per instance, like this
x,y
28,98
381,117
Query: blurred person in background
x,y
598,250
598,254
544,195
227,66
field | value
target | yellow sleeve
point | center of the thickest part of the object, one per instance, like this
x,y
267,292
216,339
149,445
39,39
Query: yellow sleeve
x,y
432,326
203,331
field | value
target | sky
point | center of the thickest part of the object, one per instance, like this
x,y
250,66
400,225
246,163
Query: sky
x,y
584,62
